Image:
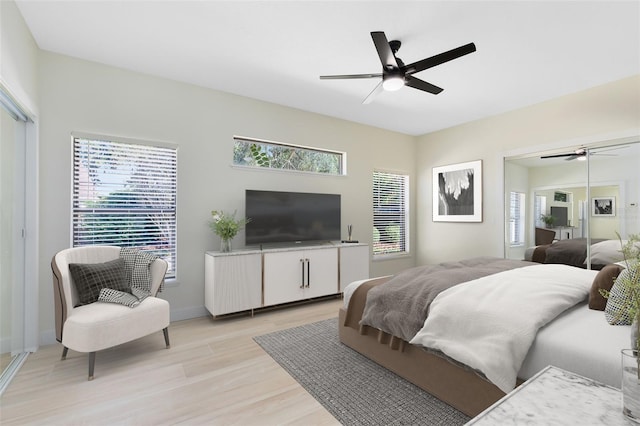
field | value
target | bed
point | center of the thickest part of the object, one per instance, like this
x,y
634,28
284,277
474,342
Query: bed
x,y
574,252
576,338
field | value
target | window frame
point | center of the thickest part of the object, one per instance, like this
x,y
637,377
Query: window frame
x,y
168,157
404,242
342,156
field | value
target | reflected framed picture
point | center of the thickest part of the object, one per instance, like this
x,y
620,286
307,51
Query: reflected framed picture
x,y
457,192
603,206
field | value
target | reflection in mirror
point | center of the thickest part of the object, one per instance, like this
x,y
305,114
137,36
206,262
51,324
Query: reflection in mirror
x,y
575,198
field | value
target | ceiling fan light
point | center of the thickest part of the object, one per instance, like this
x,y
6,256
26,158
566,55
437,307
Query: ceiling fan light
x,y
582,157
392,83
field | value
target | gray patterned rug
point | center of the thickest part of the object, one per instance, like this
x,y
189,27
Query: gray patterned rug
x,y
356,390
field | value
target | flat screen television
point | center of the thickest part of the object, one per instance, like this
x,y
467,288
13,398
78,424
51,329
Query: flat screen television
x,y
561,216
291,217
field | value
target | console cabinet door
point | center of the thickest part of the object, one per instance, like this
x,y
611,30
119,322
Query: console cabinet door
x,y
322,268
300,274
283,277
354,264
233,283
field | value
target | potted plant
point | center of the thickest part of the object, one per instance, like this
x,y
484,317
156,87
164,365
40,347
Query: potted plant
x,y
226,226
625,295
548,220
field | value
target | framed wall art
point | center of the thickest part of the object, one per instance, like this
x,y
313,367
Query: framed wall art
x,y
457,192
603,206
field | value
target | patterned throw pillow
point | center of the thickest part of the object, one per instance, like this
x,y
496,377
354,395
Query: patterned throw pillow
x,y
137,267
617,310
90,278
115,296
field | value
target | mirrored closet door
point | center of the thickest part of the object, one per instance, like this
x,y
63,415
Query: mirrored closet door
x,y
588,193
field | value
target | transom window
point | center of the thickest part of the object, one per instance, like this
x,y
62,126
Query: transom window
x,y
276,155
390,213
124,194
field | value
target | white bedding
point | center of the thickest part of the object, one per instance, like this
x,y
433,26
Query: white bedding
x,y
489,323
579,340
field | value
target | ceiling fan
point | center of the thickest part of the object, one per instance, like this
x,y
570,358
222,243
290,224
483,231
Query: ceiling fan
x,y
395,74
581,153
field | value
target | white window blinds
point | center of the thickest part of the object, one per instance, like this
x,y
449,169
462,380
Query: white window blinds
x,y
390,213
517,218
124,194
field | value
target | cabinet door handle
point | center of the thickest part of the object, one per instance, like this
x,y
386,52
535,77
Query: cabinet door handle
x,y
302,277
308,270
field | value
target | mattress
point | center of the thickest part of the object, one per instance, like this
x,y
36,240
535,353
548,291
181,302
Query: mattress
x,y
579,340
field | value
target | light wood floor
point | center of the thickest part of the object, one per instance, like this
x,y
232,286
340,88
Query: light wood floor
x,y
214,374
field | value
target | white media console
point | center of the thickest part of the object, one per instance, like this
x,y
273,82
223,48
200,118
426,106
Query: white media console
x,y
249,279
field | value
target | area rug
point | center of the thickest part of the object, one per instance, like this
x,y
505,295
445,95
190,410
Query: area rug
x,y
354,389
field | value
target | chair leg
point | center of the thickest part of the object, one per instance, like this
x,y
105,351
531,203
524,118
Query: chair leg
x,y
92,364
165,331
64,353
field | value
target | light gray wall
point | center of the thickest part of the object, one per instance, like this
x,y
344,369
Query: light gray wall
x,y
18,58
82,96
604,110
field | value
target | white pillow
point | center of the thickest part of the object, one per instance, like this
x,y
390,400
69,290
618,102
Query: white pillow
x,y
608,251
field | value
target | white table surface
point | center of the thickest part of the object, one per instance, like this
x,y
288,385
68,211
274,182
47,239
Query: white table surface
x,y
556,397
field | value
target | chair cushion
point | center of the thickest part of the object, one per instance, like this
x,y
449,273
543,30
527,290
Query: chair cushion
x,y
90,278
101,325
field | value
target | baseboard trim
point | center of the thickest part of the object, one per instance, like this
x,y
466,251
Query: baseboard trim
x,y
188,313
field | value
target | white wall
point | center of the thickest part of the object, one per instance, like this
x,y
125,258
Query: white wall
x,y
18,58
603,110
77,95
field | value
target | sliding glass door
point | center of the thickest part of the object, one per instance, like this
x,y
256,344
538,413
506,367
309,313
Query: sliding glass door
x,y
12,241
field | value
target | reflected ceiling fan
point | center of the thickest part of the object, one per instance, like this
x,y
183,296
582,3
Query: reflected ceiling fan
x,y
395,74
580,154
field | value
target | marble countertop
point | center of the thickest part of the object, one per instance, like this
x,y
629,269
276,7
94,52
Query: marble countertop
x,y
556,397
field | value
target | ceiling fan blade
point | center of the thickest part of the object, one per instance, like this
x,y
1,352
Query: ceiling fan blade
x,y
573,157
385,53
346,76
440,58
376,90
416,83
558,155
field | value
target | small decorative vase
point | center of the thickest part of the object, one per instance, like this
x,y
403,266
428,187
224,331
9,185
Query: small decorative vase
x,y
225,245
631,385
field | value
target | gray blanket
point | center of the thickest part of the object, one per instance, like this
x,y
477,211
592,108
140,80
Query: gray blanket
x,y
400,306
569,252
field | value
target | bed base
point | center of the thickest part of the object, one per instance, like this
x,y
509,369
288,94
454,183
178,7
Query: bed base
x,y
461,388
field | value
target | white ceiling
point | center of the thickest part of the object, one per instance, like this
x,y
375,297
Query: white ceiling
x,y
527,52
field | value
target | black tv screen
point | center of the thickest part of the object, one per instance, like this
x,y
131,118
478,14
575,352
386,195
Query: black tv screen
x,y
279,217
561,216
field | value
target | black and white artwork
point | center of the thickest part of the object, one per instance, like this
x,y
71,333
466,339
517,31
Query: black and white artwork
x,y
603,206
457,192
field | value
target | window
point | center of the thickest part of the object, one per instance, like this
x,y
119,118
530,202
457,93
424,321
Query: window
x,y
540,208
516,218
275,155
390,213
124,194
